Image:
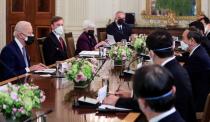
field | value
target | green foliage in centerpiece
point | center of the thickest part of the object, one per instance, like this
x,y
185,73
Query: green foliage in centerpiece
x,y
140,44
81,71
17,101
120,53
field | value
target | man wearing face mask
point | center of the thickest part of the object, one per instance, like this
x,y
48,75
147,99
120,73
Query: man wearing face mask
x,y
161,48
86,41
198,66
54,47
154,90
119,29
15,56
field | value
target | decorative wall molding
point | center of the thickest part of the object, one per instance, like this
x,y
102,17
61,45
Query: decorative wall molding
x,y
3,23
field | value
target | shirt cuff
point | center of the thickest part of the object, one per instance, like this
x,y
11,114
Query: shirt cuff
x,y
27,69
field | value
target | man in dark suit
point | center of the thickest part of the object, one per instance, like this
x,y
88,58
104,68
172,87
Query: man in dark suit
x,y
86,41
14,56
198,67
161,46
54,47
119,29
153,87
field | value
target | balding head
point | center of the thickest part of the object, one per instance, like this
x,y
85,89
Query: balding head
x,y
23,27
184,35
119,15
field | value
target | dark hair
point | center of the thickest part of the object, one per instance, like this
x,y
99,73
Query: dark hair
x,y
161,43
195,35
55,19
154,81
197,24
205,18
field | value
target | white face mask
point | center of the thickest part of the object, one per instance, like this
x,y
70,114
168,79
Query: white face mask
x,y
59,30
184,46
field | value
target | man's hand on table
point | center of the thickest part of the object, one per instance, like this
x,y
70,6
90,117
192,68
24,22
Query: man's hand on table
x,y
111,100
39,66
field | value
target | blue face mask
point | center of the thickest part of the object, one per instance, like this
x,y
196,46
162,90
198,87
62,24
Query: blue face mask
x,y
184,46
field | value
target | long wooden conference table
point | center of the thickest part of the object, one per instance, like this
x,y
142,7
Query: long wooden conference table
x,y
60,94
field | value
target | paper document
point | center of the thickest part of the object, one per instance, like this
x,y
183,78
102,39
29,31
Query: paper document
x,y
89,53
88,100
112,107
102,92
46,71
110,39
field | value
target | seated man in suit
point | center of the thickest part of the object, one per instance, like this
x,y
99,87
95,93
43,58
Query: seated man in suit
x,y
54,47
198,67
119,29
205,42
86,40
154,89
14,56
161,48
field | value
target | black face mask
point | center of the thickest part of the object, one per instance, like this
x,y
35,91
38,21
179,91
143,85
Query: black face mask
x,y
30,40
120,21
91,32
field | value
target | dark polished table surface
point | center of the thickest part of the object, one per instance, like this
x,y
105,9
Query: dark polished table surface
x,y
60,94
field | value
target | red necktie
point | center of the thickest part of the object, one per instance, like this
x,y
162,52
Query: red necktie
x,y
61,42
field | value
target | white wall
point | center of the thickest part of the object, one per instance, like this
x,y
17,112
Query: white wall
x,y
100,11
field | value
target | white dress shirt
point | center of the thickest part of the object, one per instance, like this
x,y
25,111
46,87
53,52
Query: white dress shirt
x,y
168,60
21,49
163,115
194,50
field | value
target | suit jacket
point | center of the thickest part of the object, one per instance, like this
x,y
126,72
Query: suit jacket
x,y
85,42
198,67
112,29
206,43
175,117
52,50
184,98
13,61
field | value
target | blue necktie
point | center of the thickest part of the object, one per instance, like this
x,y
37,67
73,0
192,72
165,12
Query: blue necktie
x,y
25,56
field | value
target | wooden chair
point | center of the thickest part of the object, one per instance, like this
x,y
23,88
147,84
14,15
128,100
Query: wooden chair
x,y
205,115
40,45
70,44
102,35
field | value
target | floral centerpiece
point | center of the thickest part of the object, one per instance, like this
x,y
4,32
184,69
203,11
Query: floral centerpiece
x,y
17,101
120,54
82,71
139,43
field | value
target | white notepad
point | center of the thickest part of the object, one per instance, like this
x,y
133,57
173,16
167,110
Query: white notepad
x,y
89,53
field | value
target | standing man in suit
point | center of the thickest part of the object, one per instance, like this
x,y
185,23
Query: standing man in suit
x,y
14,57
154,89
119,29
161,48
54,47
198,67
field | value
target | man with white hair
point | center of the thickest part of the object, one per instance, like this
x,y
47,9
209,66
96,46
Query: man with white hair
x,y
54,47
14,56
119,29
86,40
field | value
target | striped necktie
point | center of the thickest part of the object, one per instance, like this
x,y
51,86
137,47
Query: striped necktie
x,y
25,56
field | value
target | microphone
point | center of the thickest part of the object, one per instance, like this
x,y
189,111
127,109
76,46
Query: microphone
x,y
35,118
127,71
6,67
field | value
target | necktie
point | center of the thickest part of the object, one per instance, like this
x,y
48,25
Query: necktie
x,y
61,42
25,56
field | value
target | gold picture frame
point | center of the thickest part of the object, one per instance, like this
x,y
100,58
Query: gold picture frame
x,y
146,14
